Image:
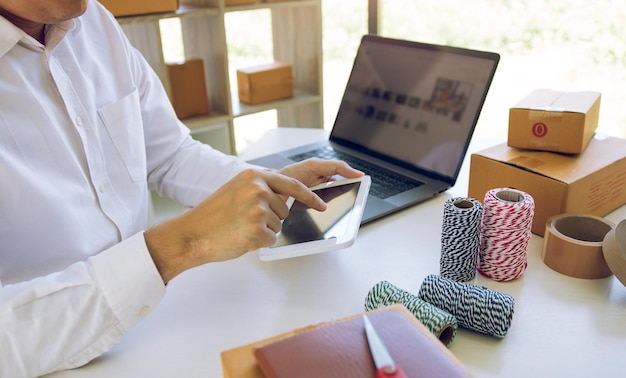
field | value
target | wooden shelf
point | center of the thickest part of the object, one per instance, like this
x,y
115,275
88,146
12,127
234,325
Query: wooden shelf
x,y
299,98
205,122
296,38
183,11
276,5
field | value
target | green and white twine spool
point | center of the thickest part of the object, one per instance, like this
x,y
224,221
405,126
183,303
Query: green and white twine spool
x,y
441,323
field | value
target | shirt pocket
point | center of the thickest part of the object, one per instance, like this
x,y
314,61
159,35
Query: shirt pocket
x,y
124,125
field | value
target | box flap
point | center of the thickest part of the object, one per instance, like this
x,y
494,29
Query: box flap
x,y
601,151
559,101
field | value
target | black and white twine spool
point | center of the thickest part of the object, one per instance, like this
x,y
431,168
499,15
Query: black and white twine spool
x,y
442,324
475,307
460,238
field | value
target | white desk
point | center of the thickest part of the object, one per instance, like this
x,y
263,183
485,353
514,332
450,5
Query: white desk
x,y
562,327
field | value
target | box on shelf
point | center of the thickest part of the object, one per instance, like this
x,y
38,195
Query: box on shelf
x,y
590,183
136,7
188,88
558,121
265,83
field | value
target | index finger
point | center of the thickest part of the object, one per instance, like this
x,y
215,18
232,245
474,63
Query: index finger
x,y
284,185
339,167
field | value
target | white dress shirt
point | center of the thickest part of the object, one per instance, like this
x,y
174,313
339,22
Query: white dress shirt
x,y
86,130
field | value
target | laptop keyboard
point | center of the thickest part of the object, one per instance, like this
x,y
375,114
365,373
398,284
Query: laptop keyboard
x,y
385,183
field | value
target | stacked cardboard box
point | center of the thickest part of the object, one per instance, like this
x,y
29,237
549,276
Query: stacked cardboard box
x,y
562,164
593,182
558,121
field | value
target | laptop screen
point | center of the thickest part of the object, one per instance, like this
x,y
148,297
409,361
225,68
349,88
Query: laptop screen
x,y
414,104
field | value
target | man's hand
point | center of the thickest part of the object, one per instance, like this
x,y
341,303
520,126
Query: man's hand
x,y
316,171
243,215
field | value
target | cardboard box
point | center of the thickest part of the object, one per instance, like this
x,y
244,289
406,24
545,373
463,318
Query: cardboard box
x,y
135,7
265,83
556,121
591,183
188,88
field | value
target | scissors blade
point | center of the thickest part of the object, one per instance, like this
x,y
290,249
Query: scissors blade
x,y
381,356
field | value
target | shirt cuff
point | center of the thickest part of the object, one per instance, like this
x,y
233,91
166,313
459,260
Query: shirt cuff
x,y
129,280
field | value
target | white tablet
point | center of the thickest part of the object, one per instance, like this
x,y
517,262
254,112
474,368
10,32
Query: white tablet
x,y
307,231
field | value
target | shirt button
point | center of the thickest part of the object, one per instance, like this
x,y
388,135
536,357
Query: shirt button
x,y
101,188
79,121
144,310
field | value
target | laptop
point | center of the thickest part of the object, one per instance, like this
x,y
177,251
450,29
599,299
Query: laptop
x,y
406,119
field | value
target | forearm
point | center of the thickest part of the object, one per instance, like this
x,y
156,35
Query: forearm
x,y
66,319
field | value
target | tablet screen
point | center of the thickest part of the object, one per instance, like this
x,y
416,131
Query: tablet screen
x,y
305,224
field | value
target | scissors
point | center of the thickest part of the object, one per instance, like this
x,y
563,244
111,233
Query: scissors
x,y
385,366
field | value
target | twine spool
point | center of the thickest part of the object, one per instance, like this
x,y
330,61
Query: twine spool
x,y
460,238
442,324
505,233
475,307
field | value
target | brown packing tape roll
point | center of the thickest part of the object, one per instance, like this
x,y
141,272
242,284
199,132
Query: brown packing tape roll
x,y
614,249
572,245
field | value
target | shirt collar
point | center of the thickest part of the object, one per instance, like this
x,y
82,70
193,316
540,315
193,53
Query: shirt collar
x,y
56,33
10,35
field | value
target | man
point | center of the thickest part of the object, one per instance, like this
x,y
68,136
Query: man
x,y
86,130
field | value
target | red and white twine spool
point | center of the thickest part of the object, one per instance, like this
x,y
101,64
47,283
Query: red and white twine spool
x,y
505,233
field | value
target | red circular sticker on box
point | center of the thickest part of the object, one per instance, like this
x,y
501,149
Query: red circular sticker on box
x,y
540,129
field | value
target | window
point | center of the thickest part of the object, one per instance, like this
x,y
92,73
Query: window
x,y
557,44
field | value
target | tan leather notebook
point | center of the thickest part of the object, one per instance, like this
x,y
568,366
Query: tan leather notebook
x,y
340,349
